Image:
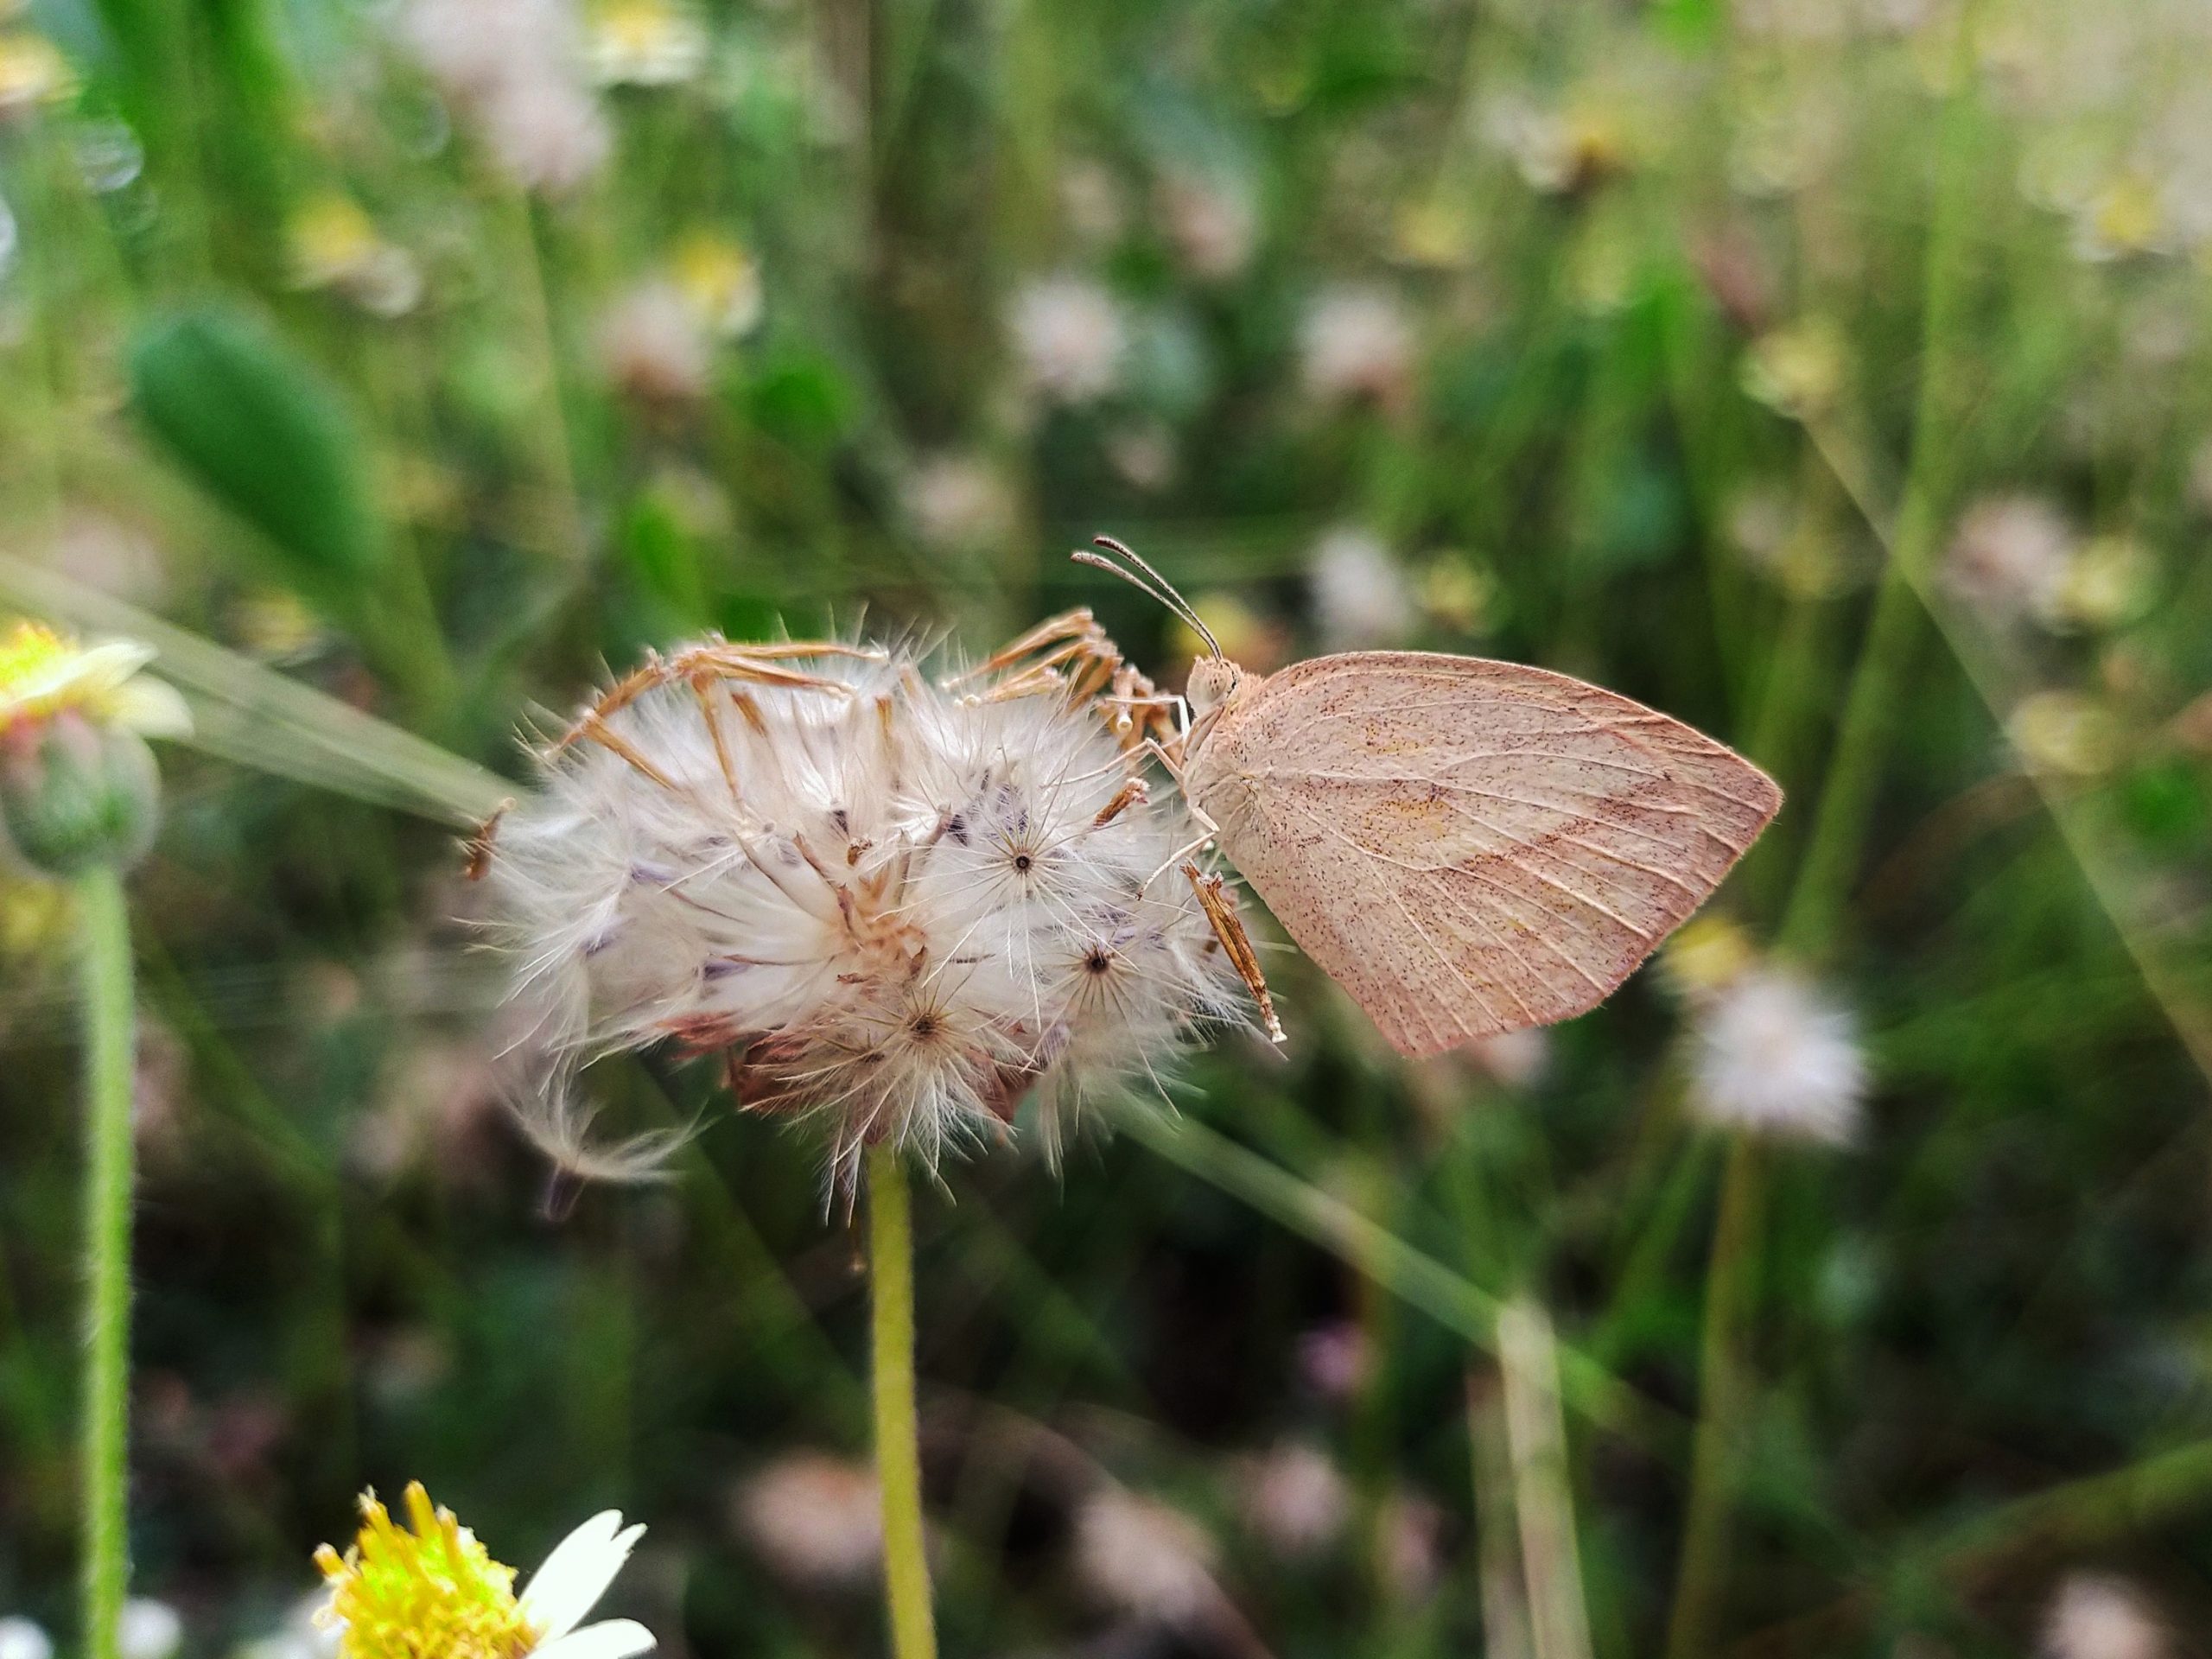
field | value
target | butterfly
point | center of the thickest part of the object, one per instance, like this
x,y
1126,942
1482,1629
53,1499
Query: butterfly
x,y
1467,846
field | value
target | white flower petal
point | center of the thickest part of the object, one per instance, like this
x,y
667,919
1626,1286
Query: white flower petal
x,y
611,1639
576,1574
152,709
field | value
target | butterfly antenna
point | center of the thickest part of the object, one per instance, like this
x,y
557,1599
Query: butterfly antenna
x,y
1146,580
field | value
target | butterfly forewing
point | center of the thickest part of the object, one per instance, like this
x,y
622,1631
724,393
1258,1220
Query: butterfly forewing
x,y
1469,847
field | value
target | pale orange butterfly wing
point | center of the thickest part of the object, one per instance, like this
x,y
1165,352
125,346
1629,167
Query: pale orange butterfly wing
x,y
1469,847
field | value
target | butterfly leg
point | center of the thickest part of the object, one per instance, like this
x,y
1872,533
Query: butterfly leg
x,y
1220,908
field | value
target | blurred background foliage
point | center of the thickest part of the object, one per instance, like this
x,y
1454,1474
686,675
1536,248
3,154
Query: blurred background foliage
x,y
1831,373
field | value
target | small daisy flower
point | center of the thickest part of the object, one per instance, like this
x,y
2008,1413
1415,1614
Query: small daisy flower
x,y
78,785
1773,1056
1072,339
435,1589
46,676
886,905
2097,1617
22,1638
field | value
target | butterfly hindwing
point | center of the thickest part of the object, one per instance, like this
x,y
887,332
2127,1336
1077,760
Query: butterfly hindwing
x,y
1469,846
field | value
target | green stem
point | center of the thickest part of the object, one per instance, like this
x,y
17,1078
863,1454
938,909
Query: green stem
x,y
1870,713
106,984
897,1449
1723,1391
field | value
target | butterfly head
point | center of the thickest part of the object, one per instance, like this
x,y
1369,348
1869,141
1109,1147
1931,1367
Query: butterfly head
x,y
1214,684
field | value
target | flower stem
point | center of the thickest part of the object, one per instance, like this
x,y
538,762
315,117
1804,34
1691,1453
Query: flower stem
x,y
1723,1388
104,983
898,1450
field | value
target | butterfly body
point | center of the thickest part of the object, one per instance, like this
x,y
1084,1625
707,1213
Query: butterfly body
x,y
1468,847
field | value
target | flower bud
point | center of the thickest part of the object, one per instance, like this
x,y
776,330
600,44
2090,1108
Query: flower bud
x,y
78,785
74,794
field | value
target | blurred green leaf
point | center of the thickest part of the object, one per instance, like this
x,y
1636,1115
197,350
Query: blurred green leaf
x,y
260,429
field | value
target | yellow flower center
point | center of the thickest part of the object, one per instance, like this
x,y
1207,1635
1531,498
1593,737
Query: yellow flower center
x,y
431,1593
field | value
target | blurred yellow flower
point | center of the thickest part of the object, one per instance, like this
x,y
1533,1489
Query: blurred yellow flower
x,y
331,241
720,280
34,918
2065,733
43,675
1796,370
646,43
2107,584
2124,218
33,71
1706,954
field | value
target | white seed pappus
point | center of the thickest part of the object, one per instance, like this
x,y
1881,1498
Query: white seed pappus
x,y
896,908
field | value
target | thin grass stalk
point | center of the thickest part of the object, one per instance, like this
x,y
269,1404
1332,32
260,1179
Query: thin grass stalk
x,y
1870,705
105,1475
1543,1496
897,1440
1723,1391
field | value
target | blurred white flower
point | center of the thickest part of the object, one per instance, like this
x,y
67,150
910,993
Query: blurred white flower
x,y
21,1638
652,346
549,135
2008,558
300,1637
1093,203
646,43
895,909
1335,1359
1773,1056
957,504
1071,337
1360,596
1408,1535
1143,452
149,1630
1515,1059
2096,1617
1144,1559
1211,220
1295,1500
1356,342
817,1521
515,67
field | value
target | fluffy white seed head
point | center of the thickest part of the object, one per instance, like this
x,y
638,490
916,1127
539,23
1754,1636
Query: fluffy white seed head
x,y
1362,600
1356,342
1070,336
817,1521
1144,1558
1774,1057
893,907
1295,1500
2096,1617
